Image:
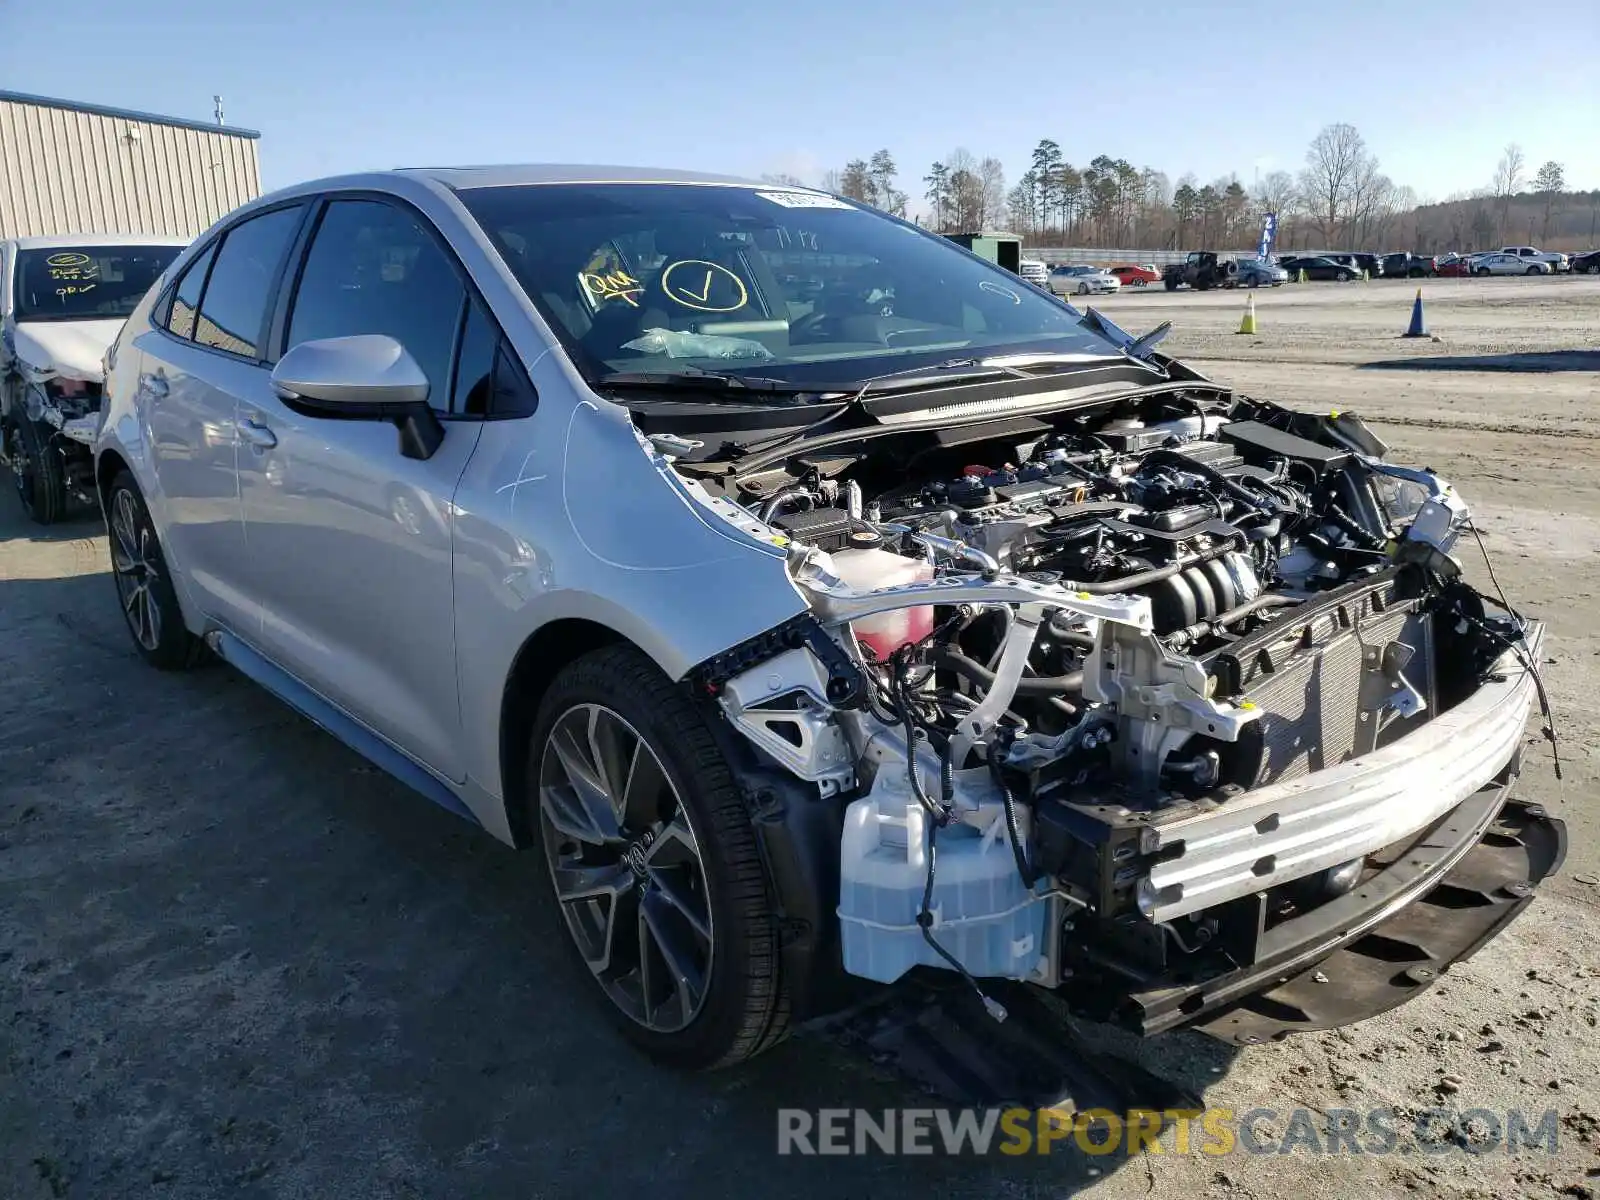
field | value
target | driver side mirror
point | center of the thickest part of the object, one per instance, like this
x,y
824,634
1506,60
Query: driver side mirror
x,y
367,377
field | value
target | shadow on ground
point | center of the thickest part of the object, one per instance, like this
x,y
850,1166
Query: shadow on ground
x,y
1525,361
236,960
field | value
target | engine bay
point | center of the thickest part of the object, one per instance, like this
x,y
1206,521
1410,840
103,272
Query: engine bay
x,y
1043,643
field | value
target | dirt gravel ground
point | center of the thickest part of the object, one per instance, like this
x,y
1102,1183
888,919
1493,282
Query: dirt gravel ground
x,y
236,961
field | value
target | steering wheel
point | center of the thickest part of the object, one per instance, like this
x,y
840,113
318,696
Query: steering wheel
x,y
813,327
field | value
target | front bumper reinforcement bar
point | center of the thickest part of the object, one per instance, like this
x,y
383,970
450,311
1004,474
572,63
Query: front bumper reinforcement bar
x,y
1288,830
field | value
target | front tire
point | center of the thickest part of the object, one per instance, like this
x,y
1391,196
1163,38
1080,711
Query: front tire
x,y
649,846
1083,289
144,584
38,471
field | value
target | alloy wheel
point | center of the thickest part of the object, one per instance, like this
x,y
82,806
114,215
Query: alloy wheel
x,y
626,866
133,561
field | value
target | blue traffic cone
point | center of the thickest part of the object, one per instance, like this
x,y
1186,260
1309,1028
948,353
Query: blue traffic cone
x,y
1419,326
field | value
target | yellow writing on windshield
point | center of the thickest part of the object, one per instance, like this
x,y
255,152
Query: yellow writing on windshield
x,y
612,285
75,289
706,286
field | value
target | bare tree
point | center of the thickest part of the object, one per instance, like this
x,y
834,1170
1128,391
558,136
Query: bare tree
x,y
1277,193
1508,174
1508,180
992,175
1371,201
966,200
1332,163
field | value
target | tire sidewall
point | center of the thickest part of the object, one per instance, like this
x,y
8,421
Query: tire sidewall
x,y
709,1036
43,489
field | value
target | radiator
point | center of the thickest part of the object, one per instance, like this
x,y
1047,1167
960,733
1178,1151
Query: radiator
x,y
1324,679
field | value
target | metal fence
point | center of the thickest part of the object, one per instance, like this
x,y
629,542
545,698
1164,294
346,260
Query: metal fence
x,y
1103,256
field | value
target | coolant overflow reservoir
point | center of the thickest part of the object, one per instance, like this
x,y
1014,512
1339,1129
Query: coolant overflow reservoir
x,y
867,570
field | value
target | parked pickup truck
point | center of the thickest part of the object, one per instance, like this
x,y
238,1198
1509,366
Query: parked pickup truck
x,y
1556,260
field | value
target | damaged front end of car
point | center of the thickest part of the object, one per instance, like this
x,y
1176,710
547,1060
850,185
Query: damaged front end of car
x,y
50,400
1179,708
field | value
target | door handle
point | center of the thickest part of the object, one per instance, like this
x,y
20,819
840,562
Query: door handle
x,y
156,385
256,434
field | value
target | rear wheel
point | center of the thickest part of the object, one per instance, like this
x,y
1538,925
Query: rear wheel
x,y
654,863
1345,277
37,470
144,584
1171,284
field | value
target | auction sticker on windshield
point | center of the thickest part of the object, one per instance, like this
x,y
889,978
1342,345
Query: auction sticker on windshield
x,y
803,200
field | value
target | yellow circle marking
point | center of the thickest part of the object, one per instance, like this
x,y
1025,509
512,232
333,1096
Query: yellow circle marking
x,y
72,259
692,289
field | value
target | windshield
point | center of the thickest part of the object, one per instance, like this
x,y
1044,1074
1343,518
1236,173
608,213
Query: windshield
x,y
787,285
86,283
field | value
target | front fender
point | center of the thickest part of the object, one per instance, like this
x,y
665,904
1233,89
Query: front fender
x,y
568,514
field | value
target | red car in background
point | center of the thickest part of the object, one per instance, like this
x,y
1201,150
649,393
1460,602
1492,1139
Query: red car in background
x,y
1132,276
1453,266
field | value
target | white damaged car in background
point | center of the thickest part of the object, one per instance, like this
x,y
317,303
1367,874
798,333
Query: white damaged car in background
x,y
62,302
828,610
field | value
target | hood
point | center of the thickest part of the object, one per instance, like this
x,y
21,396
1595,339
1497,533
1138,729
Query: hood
x,y
73,349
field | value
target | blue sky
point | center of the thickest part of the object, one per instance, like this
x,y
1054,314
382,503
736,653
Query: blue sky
x,y
1437,87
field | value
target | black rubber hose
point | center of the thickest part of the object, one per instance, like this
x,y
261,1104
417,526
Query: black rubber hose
x,y
1128,583
776,502
1028,685
1183,463
1013,831
1070,637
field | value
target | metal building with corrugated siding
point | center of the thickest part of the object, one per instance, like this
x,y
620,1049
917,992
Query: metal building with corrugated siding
x,y
85,168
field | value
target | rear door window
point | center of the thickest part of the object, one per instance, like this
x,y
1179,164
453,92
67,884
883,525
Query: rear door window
x,y
233,309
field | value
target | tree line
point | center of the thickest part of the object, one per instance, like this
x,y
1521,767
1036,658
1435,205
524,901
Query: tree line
x,y
1340,199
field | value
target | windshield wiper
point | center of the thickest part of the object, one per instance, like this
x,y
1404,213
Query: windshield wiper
x,y
693,380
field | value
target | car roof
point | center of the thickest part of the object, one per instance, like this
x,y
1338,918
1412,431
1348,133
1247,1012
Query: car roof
x,y
532,174
53,241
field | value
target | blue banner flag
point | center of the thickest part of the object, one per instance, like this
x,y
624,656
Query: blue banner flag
x,y
1269,231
